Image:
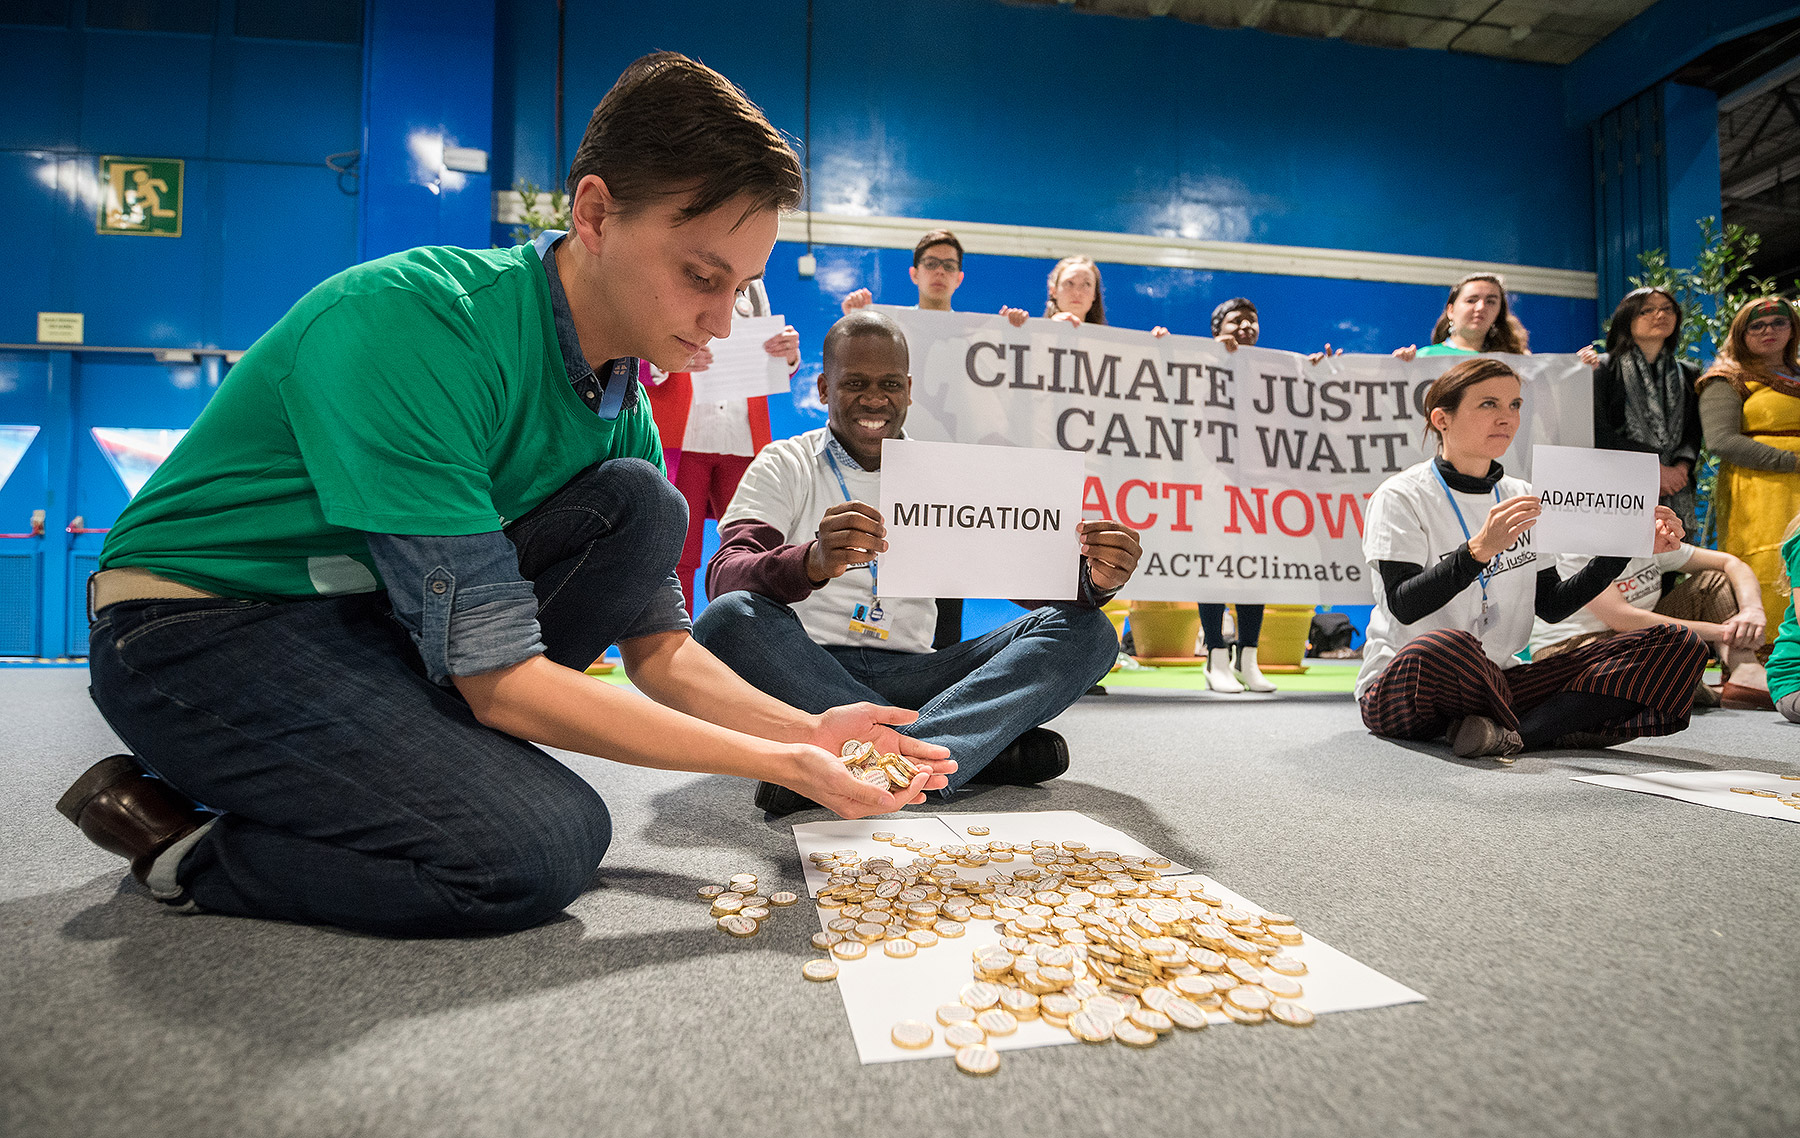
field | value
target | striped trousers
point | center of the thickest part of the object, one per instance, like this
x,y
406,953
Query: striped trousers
x,y
1444,675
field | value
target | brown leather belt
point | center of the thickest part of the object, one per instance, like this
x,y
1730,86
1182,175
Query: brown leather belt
x,y
110,586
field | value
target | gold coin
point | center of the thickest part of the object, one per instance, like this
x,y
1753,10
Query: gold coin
x,y
1132,1035
1156,996
1239,1015
948,928
911,1034
1742,790
849,950
980,995
1108,1008
1152,1020
738,926
997,1022
856,751
1245,971
844,926
1023,1005
1286,965
955,1013
1059,1004
1765,794
1193,985
708,892
904,948
1792,777
924,938
1185,1014
963,1034
1282,988
726,904
754,912
824,941
883,835
1290,1013
977,1059
867,931
1090,1028
978,831
783,900
819,970
1249,998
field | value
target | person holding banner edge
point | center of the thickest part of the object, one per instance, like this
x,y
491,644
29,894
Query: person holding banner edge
x,y
1456,597
797,609
1475,319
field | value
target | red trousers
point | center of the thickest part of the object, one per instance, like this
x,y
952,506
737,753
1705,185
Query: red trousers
x,y
1444,675
707,481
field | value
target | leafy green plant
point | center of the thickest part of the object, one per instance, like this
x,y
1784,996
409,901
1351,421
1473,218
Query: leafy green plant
x,y
539,214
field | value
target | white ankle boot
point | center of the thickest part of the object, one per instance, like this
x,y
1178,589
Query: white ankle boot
x,y
1249,674
1218,672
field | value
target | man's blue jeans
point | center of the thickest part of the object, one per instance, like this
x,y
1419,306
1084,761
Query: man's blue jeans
x,y
974,697
355,792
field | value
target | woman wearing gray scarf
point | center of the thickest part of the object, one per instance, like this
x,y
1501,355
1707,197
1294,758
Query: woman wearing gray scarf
x,y
1644,395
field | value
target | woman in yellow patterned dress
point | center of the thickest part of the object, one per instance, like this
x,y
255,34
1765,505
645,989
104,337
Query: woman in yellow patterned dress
x,y
1750,412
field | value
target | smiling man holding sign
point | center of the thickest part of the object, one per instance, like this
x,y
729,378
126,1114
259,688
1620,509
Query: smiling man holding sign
x,y
804,611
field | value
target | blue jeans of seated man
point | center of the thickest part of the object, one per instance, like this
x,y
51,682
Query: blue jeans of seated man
x,y
353,791
974,697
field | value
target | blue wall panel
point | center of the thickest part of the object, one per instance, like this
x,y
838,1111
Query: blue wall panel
x,y
1042,116
291,228
267,81
40,87
145,93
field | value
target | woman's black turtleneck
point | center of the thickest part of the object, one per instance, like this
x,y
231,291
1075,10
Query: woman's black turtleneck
x,y
1414,592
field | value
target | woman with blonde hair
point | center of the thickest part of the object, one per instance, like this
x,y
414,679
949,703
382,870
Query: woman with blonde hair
x,y
1074,292
1475,320
1750,414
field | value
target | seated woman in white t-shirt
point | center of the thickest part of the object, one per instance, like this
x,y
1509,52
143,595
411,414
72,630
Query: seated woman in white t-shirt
x,y
1458,586
1720,599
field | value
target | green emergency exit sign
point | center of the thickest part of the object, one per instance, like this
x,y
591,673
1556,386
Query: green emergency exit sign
x,y
141,196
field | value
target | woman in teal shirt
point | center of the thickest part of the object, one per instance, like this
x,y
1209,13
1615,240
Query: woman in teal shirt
x,y
1784,658
1475,321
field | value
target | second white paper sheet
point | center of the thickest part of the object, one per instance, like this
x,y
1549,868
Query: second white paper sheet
x,y
1711,788
741,368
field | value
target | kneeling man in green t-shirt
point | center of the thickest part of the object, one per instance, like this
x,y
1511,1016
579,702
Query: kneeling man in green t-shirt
x,y
334,623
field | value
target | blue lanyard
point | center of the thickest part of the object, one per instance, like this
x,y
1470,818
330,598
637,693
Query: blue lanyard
x,y
1451,498
874,580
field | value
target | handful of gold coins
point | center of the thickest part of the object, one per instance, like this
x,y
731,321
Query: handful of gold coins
x,y
1091,941
888,772
739,908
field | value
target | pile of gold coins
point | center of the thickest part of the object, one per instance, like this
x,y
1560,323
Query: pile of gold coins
x,y
888,772
1095,942
739,908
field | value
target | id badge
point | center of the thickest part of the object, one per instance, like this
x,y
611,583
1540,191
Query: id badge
x,y
863,621
1485,622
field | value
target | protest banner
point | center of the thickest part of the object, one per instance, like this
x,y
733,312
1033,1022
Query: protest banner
x,y
1245,474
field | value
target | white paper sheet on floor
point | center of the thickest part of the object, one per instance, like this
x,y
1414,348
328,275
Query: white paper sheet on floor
x,y
1710,788
880,991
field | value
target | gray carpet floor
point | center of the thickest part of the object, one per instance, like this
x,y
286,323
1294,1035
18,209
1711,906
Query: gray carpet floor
x,y
1598,963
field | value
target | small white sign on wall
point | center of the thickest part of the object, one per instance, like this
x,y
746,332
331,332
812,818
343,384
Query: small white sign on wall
x,y
1598,502
980,521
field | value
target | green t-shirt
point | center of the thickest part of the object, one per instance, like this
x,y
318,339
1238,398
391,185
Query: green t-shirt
x,y
423,393
1445,349
1784,657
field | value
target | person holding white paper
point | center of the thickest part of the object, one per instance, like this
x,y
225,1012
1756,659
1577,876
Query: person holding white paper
x,y
1459,585
707,445
798,612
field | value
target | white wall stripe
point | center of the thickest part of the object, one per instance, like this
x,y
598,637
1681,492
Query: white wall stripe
x,y
1162,252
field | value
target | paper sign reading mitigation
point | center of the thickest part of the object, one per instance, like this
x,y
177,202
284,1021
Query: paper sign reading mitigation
x,y
980,521
1598,502
741,368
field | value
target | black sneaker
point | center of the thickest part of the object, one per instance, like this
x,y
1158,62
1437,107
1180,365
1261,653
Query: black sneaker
x,y
1037,756
773,798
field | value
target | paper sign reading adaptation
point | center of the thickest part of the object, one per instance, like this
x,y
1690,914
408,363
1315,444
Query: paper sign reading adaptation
x,y
741,368
1769,797
980,521
1597,502
879,991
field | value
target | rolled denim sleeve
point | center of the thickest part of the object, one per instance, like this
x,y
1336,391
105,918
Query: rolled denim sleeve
x,y
462,599
666,611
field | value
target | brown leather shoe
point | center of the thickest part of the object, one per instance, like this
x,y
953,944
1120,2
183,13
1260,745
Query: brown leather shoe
x,y
123,810
1739,697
